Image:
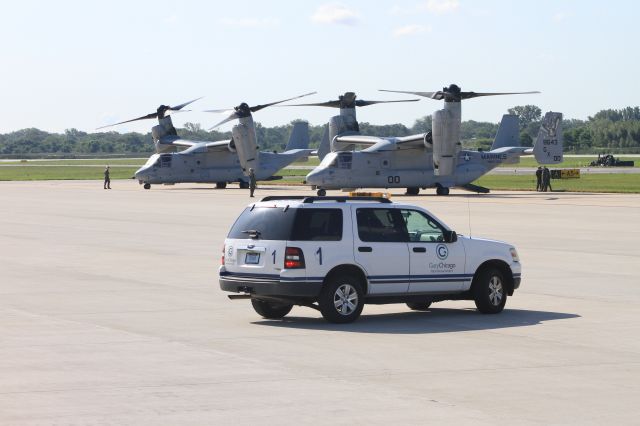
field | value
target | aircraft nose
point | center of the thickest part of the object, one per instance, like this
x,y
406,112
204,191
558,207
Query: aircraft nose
x,y
141,174
314,177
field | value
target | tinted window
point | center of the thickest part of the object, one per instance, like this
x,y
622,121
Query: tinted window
x,y
273,223
421,227
381,225
318,225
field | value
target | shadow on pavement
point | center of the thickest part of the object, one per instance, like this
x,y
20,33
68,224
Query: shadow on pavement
x,y
435,320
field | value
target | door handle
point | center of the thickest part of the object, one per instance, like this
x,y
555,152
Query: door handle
x,y
365,249
420,249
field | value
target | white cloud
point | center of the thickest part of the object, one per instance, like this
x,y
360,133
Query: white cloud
x,y
442,6
335,13
249,22
559,17
409,30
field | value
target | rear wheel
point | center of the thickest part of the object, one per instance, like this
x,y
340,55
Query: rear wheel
x,y
489,291
221,185
342,299
413,191
244,185
441,190
419,306
270,310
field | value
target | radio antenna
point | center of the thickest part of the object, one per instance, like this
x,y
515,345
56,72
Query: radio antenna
x,y
469,212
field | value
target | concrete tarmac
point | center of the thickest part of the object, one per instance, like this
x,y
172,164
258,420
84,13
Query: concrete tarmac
x,y
110,313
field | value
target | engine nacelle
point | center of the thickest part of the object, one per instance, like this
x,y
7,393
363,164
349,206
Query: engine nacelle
x,y
246,147
232,146
428,140
339,125
164,129
446,139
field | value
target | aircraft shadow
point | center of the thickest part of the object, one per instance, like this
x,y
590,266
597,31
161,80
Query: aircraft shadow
x,y
435,320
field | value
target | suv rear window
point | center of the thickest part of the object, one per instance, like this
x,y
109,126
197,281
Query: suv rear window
x,y
273,223
276,223
318,225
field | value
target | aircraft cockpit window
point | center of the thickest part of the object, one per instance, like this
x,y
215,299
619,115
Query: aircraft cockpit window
x,y
345,160
165,160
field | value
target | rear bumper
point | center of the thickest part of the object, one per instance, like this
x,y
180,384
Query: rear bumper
x,y
262,285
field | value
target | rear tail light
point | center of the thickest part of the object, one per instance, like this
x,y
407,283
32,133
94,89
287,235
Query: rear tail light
x,y
223,255
293,258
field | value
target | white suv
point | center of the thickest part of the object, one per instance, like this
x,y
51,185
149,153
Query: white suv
x,y
335,254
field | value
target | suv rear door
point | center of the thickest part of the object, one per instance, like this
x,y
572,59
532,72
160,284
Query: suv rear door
x,y
256,243
380,247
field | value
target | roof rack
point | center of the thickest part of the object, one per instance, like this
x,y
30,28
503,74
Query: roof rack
x,y
340,199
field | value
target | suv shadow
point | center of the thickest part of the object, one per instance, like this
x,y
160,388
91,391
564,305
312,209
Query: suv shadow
x,y
435,320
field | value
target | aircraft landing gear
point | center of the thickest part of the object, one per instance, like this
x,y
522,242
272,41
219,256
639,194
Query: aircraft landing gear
x,y
442,190
244,185
221,185
412,191
321,192
147,186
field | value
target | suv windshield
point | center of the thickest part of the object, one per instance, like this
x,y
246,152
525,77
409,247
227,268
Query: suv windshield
x,y
277,223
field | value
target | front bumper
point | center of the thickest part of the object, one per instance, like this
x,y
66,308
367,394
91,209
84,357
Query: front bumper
x,y
268,285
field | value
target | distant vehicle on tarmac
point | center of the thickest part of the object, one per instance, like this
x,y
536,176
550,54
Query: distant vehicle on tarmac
x,y
335,254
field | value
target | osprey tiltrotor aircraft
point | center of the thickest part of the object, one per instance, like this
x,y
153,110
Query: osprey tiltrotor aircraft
x,y
433,159
216,162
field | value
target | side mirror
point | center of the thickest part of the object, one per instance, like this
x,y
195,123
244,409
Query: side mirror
x,y
450,236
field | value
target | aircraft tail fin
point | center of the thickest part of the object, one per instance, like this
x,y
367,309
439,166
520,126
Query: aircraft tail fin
x,y
325,143
548,148
299,138
508,132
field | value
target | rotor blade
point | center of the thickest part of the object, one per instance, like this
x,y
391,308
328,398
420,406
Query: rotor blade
x,y
259,107
432,95
229,118
145,117
362,103
332,104
179,107
469,95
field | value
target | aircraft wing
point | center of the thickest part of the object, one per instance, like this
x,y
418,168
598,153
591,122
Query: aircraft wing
x,y
217,146
176,142
358,140
412,141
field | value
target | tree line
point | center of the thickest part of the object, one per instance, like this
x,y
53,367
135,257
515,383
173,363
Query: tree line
x,y
609,130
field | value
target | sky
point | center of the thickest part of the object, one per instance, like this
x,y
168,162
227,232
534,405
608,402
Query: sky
x,y
79,64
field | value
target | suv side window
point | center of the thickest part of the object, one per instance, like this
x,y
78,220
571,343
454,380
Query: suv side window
x,y
318,225
422,228
381,225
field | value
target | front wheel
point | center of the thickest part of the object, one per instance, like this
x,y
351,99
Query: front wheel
x,y
270,310
321,192
147,186
489,291
342,299
221,185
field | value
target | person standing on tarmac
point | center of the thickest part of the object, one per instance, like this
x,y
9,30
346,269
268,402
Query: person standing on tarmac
x,y
252,182
546,179
107,179
539,179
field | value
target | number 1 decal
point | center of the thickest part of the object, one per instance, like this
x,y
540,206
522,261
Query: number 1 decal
x,y
273,255
319,253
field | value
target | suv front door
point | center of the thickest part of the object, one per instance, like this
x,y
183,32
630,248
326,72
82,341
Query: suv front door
x,y
435,265
380,247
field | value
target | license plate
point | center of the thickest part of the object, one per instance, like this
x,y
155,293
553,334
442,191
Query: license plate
x,y
252,258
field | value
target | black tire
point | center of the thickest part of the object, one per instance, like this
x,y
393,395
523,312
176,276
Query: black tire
x,y
441,190
489,290
342,299
244,185
221,185
419,306
321,192
147,186
412,191
270,310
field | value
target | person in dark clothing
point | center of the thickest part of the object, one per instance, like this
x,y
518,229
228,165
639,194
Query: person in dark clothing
x,y
107,179
252,182
539,179
546,179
